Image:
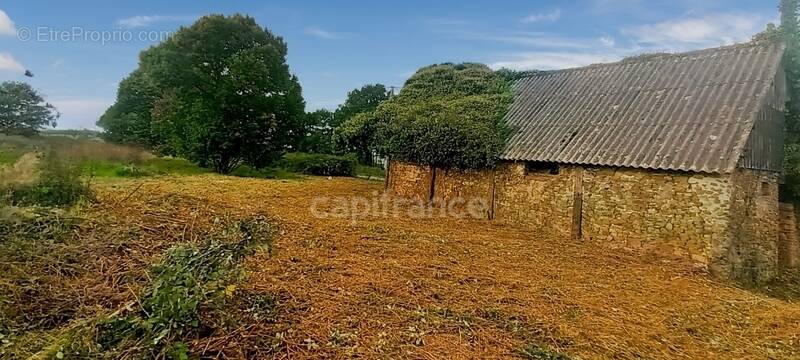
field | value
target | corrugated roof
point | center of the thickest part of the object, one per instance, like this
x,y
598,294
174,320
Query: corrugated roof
x,y
691,111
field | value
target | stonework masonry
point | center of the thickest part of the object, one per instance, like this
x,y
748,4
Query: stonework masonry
x,y
730,222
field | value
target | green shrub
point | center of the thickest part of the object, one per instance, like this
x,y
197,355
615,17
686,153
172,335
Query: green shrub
x,y
320,164
59,184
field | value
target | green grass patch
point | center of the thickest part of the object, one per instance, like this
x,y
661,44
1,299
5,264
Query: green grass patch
x,y
8,157
370,171
151,167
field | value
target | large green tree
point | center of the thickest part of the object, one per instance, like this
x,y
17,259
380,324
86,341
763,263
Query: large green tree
x,y
789,34
365,99
447,115
23,111
129,120
223,95
318,137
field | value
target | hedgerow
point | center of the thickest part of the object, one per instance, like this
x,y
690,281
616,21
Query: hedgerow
x,y
319,164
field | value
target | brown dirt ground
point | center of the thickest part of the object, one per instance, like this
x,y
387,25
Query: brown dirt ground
x,y
399,287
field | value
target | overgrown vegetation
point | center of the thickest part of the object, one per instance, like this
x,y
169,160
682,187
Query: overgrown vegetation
x,y
447,115
182,300
189,280
59,184
319,164
790,34
359,102
75,149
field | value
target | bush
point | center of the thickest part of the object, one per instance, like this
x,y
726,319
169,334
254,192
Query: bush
x,y
320,164
59,184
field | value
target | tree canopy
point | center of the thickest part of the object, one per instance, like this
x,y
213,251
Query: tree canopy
x,y
318,137
23,111
129,120
447,115
365,99
788,32
218,93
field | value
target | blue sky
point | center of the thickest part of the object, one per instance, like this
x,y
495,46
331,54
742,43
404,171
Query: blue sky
x,y
335,46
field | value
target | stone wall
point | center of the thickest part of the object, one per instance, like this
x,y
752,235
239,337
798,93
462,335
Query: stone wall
x,y
410,181
461,190
788,241
538,199
749,253
730,222
680,213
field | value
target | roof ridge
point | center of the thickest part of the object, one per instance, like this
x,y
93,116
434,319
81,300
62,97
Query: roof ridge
x,y
643,58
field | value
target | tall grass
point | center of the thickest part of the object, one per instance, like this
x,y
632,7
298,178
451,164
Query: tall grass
x,y
75,149
59,183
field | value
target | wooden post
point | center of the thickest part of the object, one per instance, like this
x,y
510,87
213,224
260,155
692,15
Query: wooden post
x,y
577,204
386,173
494,187
433,184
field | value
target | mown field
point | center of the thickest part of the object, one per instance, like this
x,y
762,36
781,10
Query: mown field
x,y
209,266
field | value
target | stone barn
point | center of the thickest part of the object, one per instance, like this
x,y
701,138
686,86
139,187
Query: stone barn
x,y
679,153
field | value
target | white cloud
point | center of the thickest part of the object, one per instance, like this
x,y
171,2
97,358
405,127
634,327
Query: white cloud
x,y
607,40
79,113
8,63
543,17
144,21
6,25
323,34
703,31
554,60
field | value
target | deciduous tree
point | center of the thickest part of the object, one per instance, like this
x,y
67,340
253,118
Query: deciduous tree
x,y
23,111
365,99
223,95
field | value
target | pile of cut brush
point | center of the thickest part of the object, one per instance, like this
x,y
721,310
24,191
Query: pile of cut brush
x,y
90,281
